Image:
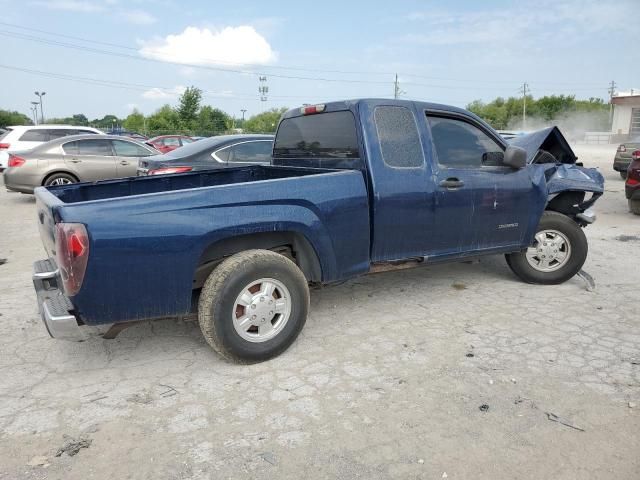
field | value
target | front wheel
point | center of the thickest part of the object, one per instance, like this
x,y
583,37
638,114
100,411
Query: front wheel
x,y
558,252
253,306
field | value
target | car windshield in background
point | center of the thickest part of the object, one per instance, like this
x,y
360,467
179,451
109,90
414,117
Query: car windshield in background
x,y
322,135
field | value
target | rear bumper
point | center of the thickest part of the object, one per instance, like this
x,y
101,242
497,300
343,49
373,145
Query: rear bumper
x,y
632,193
17,181
621,164
56,309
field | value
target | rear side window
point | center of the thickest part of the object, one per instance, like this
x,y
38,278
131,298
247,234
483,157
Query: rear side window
x,y
97,147
251,152
170,142
70,148
59,133
129,149
324,135
398,137
2,135
459,144
35,135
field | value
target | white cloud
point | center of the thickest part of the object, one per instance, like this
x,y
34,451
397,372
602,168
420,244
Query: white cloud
x,y
138,17
235,45
162,93
71,5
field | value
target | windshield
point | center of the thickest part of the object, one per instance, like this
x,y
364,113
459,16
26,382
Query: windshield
x,y
2,135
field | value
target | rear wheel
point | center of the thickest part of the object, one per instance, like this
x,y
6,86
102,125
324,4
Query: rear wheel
x,y
558,251
634,206
623,175
60,179
253,306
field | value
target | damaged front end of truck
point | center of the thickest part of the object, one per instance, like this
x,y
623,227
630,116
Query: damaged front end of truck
x,y
569,187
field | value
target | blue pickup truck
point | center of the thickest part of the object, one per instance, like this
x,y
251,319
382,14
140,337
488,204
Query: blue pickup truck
x,y
356,187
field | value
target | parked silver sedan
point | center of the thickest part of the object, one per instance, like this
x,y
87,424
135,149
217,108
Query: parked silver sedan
x,y
76,158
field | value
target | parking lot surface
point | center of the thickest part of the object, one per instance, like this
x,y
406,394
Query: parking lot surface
x,y
452,371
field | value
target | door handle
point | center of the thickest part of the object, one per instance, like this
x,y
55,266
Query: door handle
x,y
75,160
451,183
124,162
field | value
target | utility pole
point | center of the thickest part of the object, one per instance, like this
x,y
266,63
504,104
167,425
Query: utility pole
x,y
397,91
612,90
244,110
40,95
525,87
263,90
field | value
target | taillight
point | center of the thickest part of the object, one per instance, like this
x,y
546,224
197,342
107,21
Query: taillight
x,y
16,161
163,171
622,148
72,253
636,155
4,145
311,109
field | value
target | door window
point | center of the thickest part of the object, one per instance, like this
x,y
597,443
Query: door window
x,y
251,152
97,147
398,137
186,141
459,144
222,154
123,148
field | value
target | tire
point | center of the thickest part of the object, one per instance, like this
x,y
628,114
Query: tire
x,y
60,179
562,236
623,175
221,308
634,206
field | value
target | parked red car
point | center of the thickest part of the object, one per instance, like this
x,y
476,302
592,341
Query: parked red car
x,y
166,143
632,185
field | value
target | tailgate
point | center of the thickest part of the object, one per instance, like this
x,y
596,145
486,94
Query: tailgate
x,y
46,207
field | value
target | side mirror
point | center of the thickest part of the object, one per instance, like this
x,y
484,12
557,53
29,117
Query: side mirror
x,y
515,157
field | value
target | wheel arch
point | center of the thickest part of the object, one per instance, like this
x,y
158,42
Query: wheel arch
x,y
291,244
48,175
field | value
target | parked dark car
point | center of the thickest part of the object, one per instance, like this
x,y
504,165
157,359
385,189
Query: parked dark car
x,y
356,187
632,184
209,153
72,159
167,143
622,160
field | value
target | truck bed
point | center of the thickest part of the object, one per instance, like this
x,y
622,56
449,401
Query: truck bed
x,y
148,235
83,192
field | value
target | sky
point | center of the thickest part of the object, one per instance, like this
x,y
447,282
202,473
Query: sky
x,y
102,57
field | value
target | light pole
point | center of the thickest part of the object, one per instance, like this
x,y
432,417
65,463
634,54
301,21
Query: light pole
x,y
40,95
244,110
34,109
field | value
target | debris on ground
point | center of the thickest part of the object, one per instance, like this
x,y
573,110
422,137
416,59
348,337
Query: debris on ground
x,y
141,398
470,355
38,461
3,261
562,421
588,279
459,286
420,461
269,458
632,404
484,407
628,238
72,446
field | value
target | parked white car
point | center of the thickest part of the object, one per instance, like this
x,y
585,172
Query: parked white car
x,y
25,137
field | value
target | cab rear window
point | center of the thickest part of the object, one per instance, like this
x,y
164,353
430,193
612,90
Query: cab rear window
x,y
324,135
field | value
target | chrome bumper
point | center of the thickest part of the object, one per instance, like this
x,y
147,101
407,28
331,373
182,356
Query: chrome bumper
x,y
55,307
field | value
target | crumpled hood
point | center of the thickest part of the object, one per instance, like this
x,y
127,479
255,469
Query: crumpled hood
x,y
549,140
572,177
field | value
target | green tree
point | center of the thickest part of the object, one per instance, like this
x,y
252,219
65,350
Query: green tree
x,y
9,118
212,120
107,122
265,122
189,104
166,120
135,121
